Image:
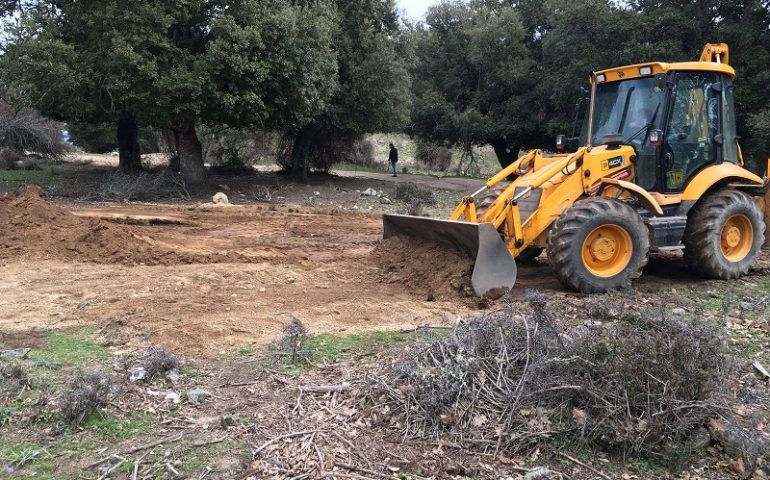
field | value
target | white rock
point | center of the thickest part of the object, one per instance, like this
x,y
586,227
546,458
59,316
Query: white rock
x,y
221,199
679,312
197,395
369,192
172,397
136,374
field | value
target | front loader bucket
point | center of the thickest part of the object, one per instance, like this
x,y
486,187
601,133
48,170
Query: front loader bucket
x,y
494,267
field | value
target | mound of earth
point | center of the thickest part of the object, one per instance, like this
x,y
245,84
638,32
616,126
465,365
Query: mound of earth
x,y
425,268
34,228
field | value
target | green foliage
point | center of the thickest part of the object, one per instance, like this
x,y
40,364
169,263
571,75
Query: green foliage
x,y
473,80
511,70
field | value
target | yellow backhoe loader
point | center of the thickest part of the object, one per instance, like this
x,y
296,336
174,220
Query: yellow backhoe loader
x,y
657,167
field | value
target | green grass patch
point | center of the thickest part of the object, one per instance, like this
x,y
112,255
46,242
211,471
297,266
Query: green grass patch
x,y
26,459
73,347
330,347
120,428
13,178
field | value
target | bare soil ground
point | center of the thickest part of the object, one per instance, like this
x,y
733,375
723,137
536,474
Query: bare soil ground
x,y
213,284
200,280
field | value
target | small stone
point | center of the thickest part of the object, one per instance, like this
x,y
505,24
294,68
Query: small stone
x,y
197,395
679,312
746,306
539,473
221,199
172,397
369,192
386,201
262,290
292,280
136,374
431,298
173,375
317,194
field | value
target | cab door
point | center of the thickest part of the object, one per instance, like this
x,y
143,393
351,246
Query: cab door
x,y
693,138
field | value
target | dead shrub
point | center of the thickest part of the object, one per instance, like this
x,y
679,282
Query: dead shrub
x,y
434,156
9,159
118,186
24,129
639,386
292,346
158,362
411,193
323,149
87,395
16,375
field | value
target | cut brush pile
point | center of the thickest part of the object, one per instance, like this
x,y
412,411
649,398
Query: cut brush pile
x,y
511,380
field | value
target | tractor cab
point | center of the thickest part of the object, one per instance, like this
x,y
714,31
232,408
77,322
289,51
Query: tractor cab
x,y
678,117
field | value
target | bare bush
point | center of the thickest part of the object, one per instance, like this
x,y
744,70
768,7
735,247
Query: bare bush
x,y
292,346
325,149
23,129
85,397
434,156
638,386
237,151
411,193
158,362
118,186
9,158
15,374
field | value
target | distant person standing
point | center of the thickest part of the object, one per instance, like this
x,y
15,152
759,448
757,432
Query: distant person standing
x,y
393,157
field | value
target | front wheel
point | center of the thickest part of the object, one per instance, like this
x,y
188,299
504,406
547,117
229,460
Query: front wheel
x,y
598,245
724,235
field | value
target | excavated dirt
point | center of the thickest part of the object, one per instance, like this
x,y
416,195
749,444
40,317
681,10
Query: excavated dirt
x,y
202,281
34,228
427,269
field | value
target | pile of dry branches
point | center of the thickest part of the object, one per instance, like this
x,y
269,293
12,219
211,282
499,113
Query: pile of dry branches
x,y
511,380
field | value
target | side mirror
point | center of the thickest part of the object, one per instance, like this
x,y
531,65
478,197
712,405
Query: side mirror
x,y
656,138
561,142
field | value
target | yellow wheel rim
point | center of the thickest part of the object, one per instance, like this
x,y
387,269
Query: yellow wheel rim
x,y
737,238
607,251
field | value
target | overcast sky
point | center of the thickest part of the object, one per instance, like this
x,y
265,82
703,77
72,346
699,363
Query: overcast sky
x,y
415,8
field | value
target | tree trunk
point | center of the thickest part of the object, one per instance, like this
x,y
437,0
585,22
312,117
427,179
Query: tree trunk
x,y
190,152
129,155
506,154
171,140
302,150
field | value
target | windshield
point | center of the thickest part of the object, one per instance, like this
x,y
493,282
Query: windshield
x,y
629,108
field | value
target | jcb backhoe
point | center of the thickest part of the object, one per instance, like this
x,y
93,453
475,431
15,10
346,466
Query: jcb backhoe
x,y
657,167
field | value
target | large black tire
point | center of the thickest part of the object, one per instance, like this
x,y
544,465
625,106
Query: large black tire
x,y
711,247
529,254
615,263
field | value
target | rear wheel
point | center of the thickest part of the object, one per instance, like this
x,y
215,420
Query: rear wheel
x,y
529,254
597,245
724,235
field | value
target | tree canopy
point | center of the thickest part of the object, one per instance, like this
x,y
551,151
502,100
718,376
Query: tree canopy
x,y
507,73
